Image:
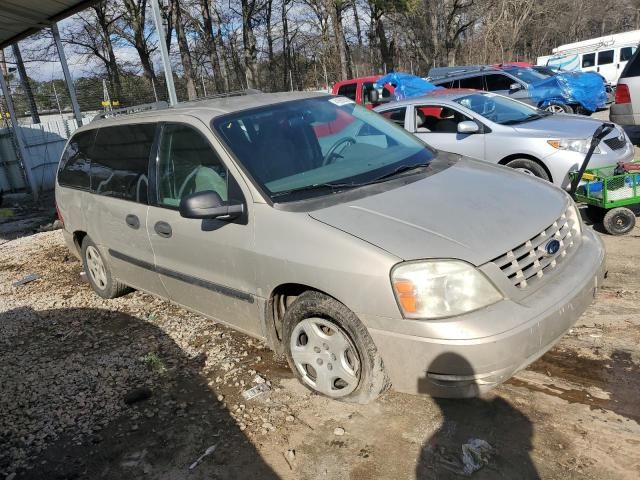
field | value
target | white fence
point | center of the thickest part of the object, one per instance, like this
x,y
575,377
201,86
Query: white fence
x,y
44,143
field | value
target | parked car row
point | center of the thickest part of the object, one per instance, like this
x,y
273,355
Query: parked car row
x,y
344,241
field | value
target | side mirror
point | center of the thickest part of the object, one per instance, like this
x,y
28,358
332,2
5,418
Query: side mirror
x,y
515,86
468,127
373,96
208,204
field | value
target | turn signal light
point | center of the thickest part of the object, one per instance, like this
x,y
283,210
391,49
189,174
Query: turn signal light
x,y
406,295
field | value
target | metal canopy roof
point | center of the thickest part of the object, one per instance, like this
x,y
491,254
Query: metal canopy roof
x,y
21,18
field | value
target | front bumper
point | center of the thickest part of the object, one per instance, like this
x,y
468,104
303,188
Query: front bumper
x,y
561,162
454,363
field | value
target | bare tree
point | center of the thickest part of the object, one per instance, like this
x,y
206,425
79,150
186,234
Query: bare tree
x,y
132,27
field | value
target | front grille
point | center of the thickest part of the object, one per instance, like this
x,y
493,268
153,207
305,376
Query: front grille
x,y
527,263
616,143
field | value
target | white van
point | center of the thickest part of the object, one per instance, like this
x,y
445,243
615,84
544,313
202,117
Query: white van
x,y
605,55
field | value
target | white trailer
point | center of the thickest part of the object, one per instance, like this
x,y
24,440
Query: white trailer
x,y
605,55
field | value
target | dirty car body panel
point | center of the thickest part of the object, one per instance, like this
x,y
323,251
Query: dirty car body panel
x,y
342,226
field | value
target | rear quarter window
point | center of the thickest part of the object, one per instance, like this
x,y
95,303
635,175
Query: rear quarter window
x,y
119,167
632,69
626,53
76,160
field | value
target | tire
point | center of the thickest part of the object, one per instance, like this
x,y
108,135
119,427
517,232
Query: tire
x,y
596,214
619,221
529,167
350,365
558,107
98,272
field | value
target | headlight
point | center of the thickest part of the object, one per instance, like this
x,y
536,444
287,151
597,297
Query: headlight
x,y
574,216
580,145
441,288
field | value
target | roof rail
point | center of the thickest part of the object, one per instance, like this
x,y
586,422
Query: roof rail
x,y
444,72
233,93
132,109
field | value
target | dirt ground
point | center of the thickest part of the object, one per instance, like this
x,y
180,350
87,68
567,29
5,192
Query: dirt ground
x,y
138,388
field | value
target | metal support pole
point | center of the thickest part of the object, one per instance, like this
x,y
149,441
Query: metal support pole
x,y
22,151
67,75
33,108
164,52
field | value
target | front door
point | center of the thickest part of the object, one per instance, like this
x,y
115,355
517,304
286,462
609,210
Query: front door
x,y
118,209
205,265
437,125
502,84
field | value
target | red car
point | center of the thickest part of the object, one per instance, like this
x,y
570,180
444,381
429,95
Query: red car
x,y
359,90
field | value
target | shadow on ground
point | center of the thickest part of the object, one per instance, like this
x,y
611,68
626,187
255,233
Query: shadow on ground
x,y
91,393
487,438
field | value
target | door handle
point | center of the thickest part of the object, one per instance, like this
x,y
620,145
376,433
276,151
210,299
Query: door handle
x,y
133,221
163,229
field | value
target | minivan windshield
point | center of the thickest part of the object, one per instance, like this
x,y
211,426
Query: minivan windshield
x,y
500,109
317,146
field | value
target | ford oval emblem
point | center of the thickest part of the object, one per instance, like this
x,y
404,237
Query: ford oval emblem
x,y
552,247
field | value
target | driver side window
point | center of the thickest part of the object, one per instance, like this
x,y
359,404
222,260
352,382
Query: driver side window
x,y
438,119
188,164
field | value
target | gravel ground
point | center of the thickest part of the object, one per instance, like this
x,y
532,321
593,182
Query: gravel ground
x,y
138,388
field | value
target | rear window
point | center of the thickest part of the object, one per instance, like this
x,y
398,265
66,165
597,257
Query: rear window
x,y
632,69
119,166
76,161
396,115
605,57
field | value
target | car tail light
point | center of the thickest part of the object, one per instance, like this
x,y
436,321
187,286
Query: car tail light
x,y
622,93
59,215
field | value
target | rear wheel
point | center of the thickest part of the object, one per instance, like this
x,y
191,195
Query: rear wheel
x,y
619,221
330,351
558,107
529,167
99,273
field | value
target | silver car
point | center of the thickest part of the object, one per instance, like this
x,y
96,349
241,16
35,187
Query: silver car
x,y
344,242
500,130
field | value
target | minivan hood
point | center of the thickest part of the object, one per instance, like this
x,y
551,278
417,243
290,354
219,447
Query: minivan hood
x,y
560,125
472,211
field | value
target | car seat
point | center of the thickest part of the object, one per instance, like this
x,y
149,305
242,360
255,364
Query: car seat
x,y
447,123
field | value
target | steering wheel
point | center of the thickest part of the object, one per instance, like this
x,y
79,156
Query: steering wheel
x,y
331,154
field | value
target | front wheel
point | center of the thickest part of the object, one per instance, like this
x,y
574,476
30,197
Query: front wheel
x,y
330,351
619,221
530,167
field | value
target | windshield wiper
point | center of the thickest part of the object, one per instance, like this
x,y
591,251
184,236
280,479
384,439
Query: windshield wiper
x,y
528,118
397,171
333,187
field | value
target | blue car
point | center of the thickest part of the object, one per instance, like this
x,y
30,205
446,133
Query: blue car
x,y
567,92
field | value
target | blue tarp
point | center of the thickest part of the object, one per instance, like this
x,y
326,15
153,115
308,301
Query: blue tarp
x,y
406,85
585,88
